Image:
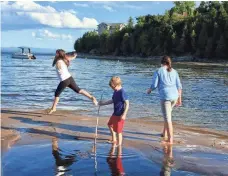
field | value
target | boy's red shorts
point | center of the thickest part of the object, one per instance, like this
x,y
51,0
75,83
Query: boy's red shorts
x,y
116,123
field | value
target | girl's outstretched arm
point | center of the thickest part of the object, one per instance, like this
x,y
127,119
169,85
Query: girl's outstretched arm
x,y
71,57
102,103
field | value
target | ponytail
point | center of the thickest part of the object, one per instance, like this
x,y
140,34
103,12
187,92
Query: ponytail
x,y
54,61
167,61
169,67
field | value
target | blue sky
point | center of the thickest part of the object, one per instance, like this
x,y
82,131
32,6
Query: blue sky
x,y
57,24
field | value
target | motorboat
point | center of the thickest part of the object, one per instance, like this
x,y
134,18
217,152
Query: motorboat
x,y
24,54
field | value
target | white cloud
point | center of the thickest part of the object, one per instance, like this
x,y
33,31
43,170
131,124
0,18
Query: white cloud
x,y
132,6
46,34
62,20
27,6
29,14
119,4
108,8
72,11
81,5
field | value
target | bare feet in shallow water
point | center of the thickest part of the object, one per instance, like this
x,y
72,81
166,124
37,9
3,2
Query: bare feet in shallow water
x,y
50,111
167,141
165,137
112,142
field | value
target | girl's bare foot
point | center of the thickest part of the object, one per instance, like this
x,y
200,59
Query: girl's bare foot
x,y
166,143
94,100
50,111
115,145
112,142
164,136
170,141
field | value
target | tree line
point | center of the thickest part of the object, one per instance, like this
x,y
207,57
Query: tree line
x,y
182,30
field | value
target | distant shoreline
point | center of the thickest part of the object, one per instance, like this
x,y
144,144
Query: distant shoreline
x,y
181,60
178,59
35,53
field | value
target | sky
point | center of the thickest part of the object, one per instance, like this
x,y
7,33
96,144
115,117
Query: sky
x,y
57,24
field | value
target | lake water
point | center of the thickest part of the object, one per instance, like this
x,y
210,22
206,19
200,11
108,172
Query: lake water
x,y
30,85
63,157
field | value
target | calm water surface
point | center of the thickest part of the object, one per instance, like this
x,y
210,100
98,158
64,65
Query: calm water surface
x,y
30,85
61,157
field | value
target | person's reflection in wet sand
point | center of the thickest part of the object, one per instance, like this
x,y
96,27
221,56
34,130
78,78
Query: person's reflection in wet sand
x,y
115,161
62,161
168,161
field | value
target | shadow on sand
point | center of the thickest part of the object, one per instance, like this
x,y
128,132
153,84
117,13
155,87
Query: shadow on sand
x,y
76,128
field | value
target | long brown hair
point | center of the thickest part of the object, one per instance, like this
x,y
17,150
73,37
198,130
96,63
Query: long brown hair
x,y
166,60
60,55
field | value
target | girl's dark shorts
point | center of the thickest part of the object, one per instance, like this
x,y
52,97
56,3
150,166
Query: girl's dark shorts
x,y
67,83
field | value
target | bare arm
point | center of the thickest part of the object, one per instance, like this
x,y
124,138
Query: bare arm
x,y
179,100
126,108
154,84
179,88
58,65
71,57
102,103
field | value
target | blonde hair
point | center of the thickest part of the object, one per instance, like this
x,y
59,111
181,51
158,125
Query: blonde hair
x,y
115,81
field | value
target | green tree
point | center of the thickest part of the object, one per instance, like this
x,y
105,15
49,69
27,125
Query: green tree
x,y
182,7
202,41
143,44
222,17
103,42
193,42
180,50
130,23
140,21
125,47
209,48
181,30
221,50
77,45
225,5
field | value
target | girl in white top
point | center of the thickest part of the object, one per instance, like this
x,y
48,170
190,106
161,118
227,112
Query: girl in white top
x,y
62,61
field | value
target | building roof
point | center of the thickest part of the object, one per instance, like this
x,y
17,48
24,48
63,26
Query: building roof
x,y
111,24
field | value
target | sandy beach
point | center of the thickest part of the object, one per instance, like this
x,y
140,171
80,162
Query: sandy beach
x,y
142,134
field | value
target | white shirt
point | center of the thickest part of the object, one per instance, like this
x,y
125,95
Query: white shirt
x,y
62,71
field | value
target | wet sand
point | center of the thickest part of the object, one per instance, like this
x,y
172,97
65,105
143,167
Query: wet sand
x,y
21,128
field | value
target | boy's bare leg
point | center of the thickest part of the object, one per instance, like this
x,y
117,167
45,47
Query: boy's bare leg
x,y
120,138
85,93
119,151
112,151
113,134
53,108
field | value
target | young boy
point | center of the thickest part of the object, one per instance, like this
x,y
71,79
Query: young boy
x,y
121,106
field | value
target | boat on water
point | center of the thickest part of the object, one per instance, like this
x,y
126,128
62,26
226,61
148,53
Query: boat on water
x,y
24,54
